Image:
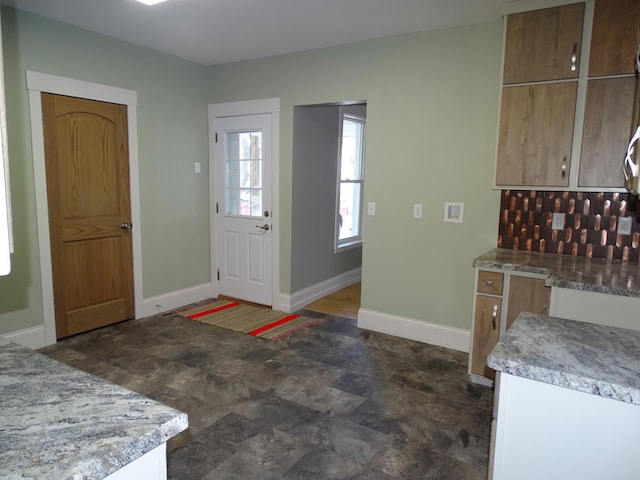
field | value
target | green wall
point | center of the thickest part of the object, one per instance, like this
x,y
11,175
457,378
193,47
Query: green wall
x,y
172,135
432,102
431,123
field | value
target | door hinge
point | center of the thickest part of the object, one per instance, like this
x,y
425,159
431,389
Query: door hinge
x,y
217,210
218,274
216,137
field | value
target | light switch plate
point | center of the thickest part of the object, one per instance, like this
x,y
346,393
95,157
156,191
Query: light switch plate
x,y
558,221
371,208
417,210
624,226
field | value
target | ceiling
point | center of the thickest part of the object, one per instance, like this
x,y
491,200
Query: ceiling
x,y
211,32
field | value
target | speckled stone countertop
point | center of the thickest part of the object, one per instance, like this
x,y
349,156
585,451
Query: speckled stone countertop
x,y
590,358
57,422
566,271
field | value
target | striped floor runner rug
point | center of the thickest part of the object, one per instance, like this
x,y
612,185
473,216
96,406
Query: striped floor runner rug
x,y
256,321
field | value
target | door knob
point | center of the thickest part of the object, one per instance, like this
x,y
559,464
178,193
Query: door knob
x,y
264,227
125,226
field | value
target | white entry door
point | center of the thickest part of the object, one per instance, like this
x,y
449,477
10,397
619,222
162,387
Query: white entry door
x,y
243,203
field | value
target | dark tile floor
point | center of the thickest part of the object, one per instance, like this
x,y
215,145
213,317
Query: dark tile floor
x,y
330,402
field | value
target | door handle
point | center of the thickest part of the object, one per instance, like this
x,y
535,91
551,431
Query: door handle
x,y
264,227
125,226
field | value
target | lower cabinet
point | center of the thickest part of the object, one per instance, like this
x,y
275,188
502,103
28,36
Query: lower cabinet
x,y
500,297
550,432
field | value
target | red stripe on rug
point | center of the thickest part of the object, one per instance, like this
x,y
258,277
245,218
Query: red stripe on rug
x,y
213,310
271,325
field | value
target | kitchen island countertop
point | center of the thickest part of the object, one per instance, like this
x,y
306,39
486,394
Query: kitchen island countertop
x,y
61,423
586,357
611,277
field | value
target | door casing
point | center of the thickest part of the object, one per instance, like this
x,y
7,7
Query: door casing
x,y
234,109
36,84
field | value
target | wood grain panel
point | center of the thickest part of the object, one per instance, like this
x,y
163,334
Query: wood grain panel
x,y
614,38
540,44
490,282
527,295
536,134
607,130
486,333
87,167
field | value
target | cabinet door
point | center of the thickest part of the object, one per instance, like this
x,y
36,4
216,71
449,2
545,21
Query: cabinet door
x,y
607,129
536,134
527,295
486,332
543,44
614,38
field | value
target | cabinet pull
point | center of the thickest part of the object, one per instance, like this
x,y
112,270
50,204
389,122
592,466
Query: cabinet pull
x,y
574,57
489,283
564,167
494,315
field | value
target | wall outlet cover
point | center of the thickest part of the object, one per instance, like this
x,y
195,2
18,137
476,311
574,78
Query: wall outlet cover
x,y
453,212
558,221
624,226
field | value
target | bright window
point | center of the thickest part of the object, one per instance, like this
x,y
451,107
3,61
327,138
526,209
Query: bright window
x,y
5,210
350,180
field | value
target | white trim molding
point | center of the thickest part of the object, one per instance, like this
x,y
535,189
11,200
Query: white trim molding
x,y
32,338
425,332
169,301
36,84
301,298
234,109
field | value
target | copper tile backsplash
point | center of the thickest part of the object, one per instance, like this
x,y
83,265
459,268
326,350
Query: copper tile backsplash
x,y
590,228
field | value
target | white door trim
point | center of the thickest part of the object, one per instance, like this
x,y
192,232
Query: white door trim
x,y
36,84
250,107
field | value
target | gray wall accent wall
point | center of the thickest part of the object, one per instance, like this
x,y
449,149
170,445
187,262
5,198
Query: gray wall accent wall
x,y
315,163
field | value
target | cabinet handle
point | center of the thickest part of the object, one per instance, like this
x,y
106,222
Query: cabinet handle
x,y
489,283
494,315
564,167
574,57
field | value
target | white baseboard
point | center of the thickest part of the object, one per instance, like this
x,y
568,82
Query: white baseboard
x,y
169,301
425,332
29,337
302,298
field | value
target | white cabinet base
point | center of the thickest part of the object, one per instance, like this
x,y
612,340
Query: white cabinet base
x,y
150,466
548,432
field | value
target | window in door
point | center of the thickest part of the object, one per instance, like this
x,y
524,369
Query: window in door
x,y
350,181
244,174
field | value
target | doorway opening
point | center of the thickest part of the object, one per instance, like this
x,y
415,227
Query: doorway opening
x,y
327,197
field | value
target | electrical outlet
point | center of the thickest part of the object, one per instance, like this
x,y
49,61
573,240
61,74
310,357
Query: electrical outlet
x,y
417,210
558,221
624,226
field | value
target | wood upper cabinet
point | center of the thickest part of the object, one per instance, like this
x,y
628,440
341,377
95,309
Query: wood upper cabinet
x,y
536,134
614,37
547,98
606,131
543,44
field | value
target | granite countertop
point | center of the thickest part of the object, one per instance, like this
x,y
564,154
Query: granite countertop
x,y
586,357
566,271
61,423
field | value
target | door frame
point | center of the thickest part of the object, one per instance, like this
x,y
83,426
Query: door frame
x,y
41,82
235,109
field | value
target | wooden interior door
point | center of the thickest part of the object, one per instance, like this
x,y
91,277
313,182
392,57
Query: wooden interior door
x,y
87,168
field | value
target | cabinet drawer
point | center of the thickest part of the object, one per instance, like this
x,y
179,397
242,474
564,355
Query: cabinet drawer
x,y
490,282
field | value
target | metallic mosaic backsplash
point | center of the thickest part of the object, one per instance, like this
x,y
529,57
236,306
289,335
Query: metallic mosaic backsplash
x,y
590,228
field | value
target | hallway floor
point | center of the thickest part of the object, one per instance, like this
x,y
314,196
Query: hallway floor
x,y
330,402
343,303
